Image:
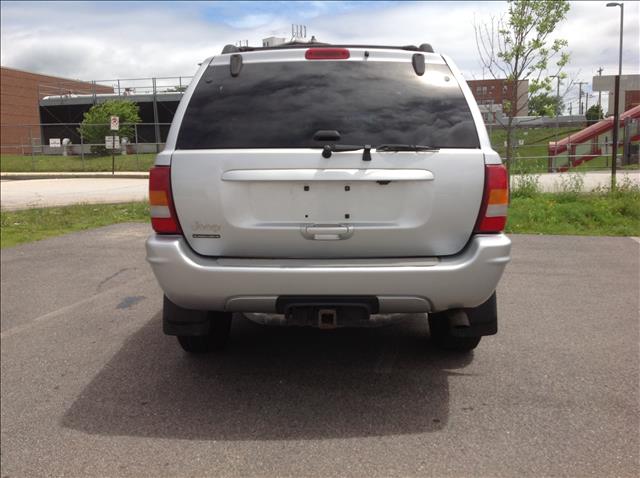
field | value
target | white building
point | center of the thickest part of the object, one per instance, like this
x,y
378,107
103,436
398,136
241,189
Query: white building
x,y
629,90
273,41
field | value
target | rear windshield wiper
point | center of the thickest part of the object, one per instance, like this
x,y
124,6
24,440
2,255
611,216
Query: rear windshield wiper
x,y
405,147
328,149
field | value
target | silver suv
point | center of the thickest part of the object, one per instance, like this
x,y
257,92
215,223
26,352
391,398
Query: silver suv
x,y
328,184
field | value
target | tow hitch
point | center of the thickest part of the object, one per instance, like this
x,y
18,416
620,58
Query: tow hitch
x,y
327,312
327,318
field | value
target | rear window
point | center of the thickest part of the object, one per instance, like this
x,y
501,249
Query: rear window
x,y
282,105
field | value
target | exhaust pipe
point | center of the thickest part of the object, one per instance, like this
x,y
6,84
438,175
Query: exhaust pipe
x,y
458,319
327,319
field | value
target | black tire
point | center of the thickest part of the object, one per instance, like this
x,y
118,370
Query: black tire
x,y
215,339
442,337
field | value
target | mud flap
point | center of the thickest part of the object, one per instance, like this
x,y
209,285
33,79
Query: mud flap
x,y
179,321
483,320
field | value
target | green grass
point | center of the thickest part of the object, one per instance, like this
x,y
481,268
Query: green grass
x,y
594,214
598,214
603,163
15,163
18,227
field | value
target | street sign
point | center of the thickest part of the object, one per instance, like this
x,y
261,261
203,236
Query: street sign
x,y
54,143
112,142
115,123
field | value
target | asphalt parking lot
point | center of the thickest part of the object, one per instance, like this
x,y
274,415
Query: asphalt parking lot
x,y
91,386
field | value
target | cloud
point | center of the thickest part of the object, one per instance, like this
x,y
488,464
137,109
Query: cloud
x,y
97,40
251,21
94,41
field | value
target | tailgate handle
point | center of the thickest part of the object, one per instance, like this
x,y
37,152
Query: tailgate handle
x,y
327,232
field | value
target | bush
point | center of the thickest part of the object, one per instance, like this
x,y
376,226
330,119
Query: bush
x,y
96,123
525,185
571,184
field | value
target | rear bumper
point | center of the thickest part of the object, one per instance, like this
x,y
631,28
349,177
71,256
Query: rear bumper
x,y
402,285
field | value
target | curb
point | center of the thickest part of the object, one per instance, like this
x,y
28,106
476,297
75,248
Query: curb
x,y
61,175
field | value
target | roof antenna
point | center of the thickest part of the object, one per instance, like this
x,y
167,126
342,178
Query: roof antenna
x,y
298,32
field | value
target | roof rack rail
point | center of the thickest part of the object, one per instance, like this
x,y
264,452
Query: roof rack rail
x,y
425,47
230,49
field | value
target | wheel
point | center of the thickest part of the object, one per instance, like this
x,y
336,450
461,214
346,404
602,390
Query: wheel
x,y
442,337
215,339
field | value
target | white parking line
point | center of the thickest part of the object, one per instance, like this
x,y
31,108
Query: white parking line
x,y
637,239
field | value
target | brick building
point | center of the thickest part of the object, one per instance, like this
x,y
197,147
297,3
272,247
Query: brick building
x,y
496,92
20,94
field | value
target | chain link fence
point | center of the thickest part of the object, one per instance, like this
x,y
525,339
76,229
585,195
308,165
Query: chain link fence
x,y
539,149
62,147
53,147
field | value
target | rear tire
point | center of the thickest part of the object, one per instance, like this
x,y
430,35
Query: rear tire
x,y
443,338
215,339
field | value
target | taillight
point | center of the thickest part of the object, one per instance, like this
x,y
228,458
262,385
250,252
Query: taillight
x,y
495,200
327,54
163,214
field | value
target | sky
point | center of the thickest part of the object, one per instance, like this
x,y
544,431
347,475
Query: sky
x,y
105,40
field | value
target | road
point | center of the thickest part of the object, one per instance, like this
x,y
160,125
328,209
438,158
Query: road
x,y
29,193
91,386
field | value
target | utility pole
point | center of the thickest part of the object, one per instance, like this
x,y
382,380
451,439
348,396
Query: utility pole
x,y
570,109
586,102
600,92
580,83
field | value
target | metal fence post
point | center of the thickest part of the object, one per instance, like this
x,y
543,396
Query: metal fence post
x,y
135,132
82,149
33,159
155,116
626,143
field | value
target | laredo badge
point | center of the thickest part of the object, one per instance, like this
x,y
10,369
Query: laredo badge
x,y
205,231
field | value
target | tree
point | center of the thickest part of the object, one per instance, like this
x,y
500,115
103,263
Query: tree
x,y
594,114
517,47
545,104
96,122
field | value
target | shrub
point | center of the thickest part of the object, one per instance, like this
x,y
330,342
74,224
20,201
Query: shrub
x,y
525,185
571,184
96,123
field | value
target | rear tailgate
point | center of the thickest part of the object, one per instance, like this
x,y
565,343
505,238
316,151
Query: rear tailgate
x,y
249,180
238,204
